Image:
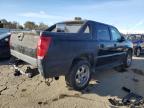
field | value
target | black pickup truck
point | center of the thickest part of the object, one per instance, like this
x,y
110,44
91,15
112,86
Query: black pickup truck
x,y
74,49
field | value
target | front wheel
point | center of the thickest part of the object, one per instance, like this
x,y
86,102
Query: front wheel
x,y
128,60
79,76
126,63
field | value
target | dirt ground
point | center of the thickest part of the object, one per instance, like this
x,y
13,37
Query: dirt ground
x,y
23,92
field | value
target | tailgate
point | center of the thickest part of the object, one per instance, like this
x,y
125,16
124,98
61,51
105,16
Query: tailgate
x,y
24,46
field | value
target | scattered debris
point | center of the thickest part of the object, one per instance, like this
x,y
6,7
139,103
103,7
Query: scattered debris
x,y
55,99
17,73
23,90
43,103
131,99
18,64
40,103
48,82
115,102
126,89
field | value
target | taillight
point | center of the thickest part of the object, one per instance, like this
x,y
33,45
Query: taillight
x,y
9,40
43,45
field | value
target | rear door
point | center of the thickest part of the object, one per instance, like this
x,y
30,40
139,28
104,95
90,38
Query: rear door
x,y
105,45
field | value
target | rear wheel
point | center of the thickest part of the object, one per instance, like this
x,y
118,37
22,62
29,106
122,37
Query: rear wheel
x,y
137,52
79,76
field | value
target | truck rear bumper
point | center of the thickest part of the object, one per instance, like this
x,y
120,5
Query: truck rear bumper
x,y
25,58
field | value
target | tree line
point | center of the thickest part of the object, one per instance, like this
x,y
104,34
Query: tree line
x,y
28,25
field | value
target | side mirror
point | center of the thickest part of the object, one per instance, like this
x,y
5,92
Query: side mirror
x,y
121,39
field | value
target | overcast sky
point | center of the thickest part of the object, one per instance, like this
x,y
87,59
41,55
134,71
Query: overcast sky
x,y
126,15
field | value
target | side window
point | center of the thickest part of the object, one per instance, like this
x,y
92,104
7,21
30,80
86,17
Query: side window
x,y
87,29
102,32
115,34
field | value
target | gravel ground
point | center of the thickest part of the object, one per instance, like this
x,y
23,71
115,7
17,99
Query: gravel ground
x,y
23,92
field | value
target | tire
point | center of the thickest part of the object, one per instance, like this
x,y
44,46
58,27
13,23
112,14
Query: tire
x,y
137,52
79,76
126,63
128,60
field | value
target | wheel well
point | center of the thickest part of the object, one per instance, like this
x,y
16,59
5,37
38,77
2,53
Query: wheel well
x,y
88,57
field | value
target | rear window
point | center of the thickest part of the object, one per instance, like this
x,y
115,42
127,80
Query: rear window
x,y
69,27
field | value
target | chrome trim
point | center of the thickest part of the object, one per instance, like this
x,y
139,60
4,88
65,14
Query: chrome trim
x,y
109,55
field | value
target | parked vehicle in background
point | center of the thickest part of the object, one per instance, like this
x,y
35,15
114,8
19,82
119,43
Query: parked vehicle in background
x,y
138,42
74,49
4,43
4,30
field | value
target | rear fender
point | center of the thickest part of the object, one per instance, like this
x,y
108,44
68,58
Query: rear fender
x,y
87,57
